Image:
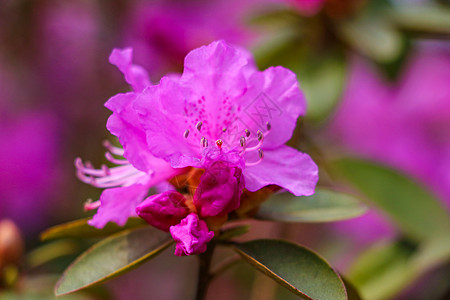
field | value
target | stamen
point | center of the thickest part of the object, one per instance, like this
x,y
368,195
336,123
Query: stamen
x,y
113,149
219,143
106,170
268,125
199,125
203,142
91,204
247,132
260,135
186,133
114,160
260,153
242,141
224,129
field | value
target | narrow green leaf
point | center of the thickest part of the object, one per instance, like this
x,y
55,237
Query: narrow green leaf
x,y
300,270
418,213
423,19
324,206
51,251
111,257
80,228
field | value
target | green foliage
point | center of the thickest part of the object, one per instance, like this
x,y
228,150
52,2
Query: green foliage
x,y
298,269
80,228
111,257
324,206
416,211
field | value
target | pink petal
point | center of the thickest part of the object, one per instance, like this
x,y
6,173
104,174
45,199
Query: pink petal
x,y
163,210
191,235
285,167
274,96
134,75
124,124
118,204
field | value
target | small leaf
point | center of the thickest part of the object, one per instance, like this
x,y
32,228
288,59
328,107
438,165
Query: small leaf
x,y
298,269
51,251
418,213
80,228
111,257
324,206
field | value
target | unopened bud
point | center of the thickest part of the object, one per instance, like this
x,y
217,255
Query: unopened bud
x,y
11,243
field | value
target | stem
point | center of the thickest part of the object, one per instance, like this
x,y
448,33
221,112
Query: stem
x,y
204,276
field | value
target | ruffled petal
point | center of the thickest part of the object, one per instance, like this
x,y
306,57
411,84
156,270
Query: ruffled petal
x,y
135,75
124,124
161,113
118,204
163,210
274,96
285,167
191,235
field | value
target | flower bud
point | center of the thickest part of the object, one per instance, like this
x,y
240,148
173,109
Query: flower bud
x,y
11,243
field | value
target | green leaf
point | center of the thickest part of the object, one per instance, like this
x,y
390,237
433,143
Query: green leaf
x,y
382,271
300,270
80,228
423,19
416,211
51,251
111,257
233,232
324,206
352,292
323,83
373,37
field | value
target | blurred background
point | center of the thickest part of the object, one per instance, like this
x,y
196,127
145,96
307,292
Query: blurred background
x,y
376,75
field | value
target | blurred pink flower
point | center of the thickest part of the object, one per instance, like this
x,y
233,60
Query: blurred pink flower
x,y
163,32
404,125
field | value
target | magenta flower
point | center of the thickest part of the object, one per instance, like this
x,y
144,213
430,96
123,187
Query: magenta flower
x,y
222,123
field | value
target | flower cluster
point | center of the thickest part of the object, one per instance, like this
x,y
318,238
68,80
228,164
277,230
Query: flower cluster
x,y
214,132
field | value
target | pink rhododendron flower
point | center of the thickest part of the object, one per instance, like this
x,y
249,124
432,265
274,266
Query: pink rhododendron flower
x,y
222,123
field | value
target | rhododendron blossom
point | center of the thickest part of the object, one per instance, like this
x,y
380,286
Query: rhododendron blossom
x,y
219,127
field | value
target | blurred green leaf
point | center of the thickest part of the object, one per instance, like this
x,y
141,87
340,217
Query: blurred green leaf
x,y
418,213
324,206
233,232
382,271
51,251
80,228
422,19
111,257
374,37
323,84
386,269
298,269
352,292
